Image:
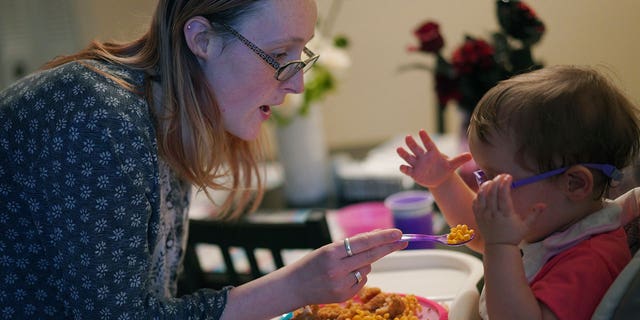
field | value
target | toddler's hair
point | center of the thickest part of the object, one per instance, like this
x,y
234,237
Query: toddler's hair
x,y
560,116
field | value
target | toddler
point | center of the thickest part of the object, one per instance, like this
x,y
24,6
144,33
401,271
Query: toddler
x,y
550,144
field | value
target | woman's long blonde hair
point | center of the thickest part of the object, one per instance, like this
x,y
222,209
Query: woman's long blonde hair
x,y
190,133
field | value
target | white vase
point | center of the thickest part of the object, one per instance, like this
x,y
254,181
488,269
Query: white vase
x,y
302,151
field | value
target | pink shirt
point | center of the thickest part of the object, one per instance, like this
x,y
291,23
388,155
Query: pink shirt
x,y
573,282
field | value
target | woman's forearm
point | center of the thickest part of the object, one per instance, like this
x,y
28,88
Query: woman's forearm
x,y
263,298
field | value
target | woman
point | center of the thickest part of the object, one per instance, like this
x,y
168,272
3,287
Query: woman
x,y
100,148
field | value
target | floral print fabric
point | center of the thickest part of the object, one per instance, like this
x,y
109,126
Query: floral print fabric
x,y
88,228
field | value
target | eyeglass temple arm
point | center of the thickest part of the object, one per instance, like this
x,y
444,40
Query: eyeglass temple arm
x,y
537,178
310,53
609,170
269,59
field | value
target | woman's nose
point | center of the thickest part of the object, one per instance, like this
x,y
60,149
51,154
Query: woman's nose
x,y
296,83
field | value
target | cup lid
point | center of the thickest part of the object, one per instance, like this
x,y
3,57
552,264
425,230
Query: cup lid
x,y
409,200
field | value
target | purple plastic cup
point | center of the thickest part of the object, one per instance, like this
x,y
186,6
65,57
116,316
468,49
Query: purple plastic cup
x,y
412,213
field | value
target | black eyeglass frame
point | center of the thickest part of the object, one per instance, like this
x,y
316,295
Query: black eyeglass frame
x,y
298,64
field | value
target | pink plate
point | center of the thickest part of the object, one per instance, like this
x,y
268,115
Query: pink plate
x,y
431,310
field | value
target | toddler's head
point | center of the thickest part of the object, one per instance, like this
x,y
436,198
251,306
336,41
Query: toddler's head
x,y
561,116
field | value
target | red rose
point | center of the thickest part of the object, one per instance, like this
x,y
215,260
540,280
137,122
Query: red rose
x,y
520,21
428,34
474,55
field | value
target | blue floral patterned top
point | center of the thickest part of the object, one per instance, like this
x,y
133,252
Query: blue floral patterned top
x,y
92,222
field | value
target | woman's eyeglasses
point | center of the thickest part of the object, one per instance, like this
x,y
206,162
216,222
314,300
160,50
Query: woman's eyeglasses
x,y
608,170
283,72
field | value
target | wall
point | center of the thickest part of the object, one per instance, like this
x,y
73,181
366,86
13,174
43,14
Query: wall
x,y
112,19
375,101
31,32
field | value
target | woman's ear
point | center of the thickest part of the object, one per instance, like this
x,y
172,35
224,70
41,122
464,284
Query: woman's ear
x,y
196,35
578,182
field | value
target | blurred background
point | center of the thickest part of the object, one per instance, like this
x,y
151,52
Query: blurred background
x,y
373,100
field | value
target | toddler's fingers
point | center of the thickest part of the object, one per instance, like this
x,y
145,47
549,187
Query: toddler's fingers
x,y
459,160
413,145
406,170
428,144
492,195
480,202
479,207
504,194
406,156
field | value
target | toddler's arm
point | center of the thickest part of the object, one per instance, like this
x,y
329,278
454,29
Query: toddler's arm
x,y
433,170
508,295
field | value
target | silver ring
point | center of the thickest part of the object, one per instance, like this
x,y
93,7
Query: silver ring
x,y
358,276
347,246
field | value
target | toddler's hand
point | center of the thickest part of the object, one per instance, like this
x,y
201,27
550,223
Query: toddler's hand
x,y
426,164
496,218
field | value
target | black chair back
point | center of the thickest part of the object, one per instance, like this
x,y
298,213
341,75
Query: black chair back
x,y
248,234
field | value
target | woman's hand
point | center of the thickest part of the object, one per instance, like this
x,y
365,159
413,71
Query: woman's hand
x,y
328,274
332,274
426,164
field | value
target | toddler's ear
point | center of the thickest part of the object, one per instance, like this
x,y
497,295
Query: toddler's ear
x,y
578,182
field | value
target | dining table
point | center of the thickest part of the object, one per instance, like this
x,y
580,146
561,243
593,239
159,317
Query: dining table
x,y
441,275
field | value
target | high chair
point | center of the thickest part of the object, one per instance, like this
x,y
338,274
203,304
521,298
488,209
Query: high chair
x,y
622,300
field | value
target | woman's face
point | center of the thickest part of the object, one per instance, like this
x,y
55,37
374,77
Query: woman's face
x,y
244,84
